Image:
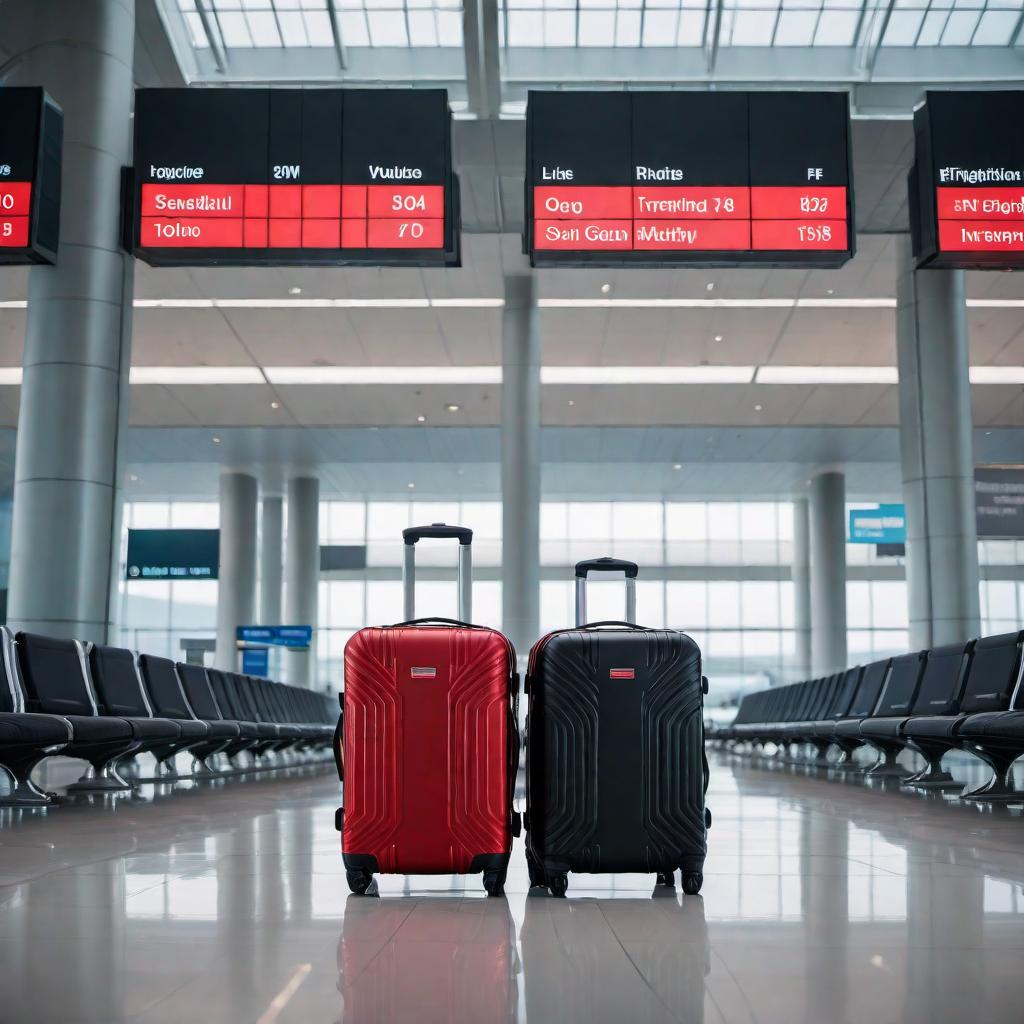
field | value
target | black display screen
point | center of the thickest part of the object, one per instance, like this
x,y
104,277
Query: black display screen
x,y
688,179
294,177
31,142
967,184
173,555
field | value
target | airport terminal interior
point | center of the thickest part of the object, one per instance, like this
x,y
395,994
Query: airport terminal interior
x,y
322,316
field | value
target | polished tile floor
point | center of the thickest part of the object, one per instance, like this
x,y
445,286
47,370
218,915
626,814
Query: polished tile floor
x,y
824,903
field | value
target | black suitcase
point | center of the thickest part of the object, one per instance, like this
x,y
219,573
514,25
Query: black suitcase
x,y
615,767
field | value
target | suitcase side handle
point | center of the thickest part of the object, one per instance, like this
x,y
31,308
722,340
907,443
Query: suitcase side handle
x,y
629,569
442,531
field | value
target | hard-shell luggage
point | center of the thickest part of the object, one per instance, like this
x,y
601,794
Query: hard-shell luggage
x,y
428,741
615,766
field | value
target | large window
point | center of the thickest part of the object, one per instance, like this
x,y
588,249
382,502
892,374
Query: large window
x,y
719,570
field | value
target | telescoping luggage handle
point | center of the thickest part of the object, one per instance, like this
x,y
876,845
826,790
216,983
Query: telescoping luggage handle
x,y
464,535
629,569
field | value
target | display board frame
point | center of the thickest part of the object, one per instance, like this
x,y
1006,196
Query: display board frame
x,y
610,121
31,151
963,150
283,156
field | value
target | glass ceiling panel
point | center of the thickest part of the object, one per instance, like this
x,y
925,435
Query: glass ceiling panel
x,y
293,24
757,23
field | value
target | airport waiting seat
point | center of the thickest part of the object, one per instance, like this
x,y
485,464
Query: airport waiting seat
x,y
881,729
822,732
846,731
163,689
817,703
53,675
943,680
195,684
25,738
234,703
114,676
997,737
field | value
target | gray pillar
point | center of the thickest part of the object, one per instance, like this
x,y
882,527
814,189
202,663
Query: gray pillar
x,y
828,573
936,453
520,462
236,587
271,561
66,532
802,588
302,573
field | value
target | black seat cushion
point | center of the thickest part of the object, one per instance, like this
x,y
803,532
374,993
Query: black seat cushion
x,y
192,730
88,729
1007,724
18,730
933,726
150,729
223,730
849,728
882,728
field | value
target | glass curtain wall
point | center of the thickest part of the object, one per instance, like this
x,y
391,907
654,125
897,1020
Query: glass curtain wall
x,y
720,570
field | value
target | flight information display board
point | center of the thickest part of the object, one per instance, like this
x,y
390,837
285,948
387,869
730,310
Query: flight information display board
x,y
967,183
296,177
688,179
31,140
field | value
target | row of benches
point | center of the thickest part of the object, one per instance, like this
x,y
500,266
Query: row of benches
x,y
105,705
957,697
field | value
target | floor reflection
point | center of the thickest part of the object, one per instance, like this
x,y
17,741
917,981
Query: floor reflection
x,y
426,960
611,961
823,903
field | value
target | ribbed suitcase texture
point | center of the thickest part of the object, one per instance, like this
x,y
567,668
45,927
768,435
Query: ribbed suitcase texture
x,y
430,749
615,763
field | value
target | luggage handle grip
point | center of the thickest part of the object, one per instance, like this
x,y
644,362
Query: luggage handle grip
x,y
440,531
631,569
434,618
464,535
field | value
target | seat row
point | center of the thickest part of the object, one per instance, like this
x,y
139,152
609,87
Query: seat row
x,y
958,697
105,705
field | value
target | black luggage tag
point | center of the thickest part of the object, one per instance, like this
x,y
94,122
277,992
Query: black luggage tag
x,y
517,824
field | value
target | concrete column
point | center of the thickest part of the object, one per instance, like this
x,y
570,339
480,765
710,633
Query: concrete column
x,y
271,561
74,393
520,462
801,572
302,573
936,453
236,587
828,573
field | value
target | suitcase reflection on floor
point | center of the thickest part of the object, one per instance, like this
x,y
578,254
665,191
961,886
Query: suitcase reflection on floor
x,y
619,960
444,959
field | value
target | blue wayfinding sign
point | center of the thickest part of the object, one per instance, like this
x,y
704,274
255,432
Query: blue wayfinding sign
x,y
256,662
886,524
276,636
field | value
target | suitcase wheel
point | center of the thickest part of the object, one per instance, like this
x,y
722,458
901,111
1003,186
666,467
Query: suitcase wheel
x,y
667,878
494,881
692,881
359,881
559,884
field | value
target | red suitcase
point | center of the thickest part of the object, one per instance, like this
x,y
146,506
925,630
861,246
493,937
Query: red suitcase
x,y
429,741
